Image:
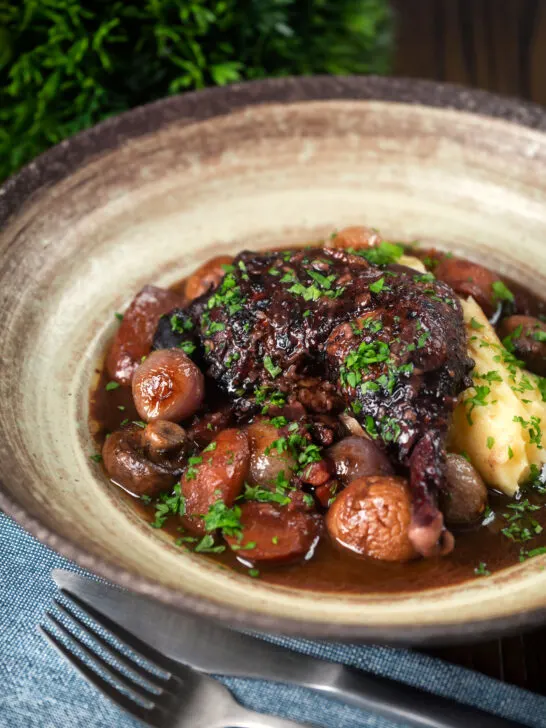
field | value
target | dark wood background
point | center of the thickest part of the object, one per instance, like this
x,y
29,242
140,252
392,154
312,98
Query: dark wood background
x,y
498,45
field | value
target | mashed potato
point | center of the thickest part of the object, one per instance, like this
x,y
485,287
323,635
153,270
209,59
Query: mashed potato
x,y
499,421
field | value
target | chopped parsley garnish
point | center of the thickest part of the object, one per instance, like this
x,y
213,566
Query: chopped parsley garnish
x,y
228,296
273,370
510,453
278,422
247,547
520,526
492,376
139,423
263,495
482,570
124,422
254,573
369,426
188,347
207,546
300,448
96,458
383,254
476,325
112,385
490,442
180,324
378,286
488,516
186,539
539,335
423,338
191,470
169,505
532,426
424,278
390,429
119,316
501,292
324,282
508,341
524,554
360,360
479,399
269,398
231,358
430,262
373,325
220,517
211,327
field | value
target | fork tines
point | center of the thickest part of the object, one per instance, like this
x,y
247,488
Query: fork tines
x,y
145,686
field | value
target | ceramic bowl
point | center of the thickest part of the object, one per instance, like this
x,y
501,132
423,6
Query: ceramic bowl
x,y
147,196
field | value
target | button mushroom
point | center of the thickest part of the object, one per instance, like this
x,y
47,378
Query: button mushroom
x,y
526,337
142,461
168,386
470,279
371,517
356,457
465,499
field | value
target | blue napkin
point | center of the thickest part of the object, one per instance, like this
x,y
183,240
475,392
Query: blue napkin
x,y
38,689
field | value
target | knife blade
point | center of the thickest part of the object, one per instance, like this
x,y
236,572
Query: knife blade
x,y
212,648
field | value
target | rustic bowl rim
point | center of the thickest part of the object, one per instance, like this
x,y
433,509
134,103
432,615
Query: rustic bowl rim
x,y
63,159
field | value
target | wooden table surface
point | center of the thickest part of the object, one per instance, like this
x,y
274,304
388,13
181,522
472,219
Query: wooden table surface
x,y
498,45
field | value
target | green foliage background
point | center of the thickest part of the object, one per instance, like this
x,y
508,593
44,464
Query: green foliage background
x,y
66,64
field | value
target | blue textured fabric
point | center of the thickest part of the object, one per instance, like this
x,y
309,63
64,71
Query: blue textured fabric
x,y
39,690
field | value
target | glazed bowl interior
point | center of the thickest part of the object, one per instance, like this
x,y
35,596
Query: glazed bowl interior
x,y
149,196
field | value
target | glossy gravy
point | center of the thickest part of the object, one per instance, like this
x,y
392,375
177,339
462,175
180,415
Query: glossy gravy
x,y
478,552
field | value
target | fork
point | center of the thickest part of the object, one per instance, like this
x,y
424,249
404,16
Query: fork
x,y
165,695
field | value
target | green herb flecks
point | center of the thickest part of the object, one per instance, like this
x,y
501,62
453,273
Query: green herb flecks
x,y
191,470
501,292
188,347
268,397
169,505
207,545
227,520
482,570
383,254
478,399
521,526
378,286
476,325
273,370
180,324
533,429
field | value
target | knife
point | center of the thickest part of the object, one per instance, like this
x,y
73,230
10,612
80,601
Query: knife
x,y
214,649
